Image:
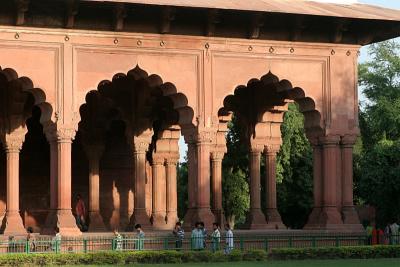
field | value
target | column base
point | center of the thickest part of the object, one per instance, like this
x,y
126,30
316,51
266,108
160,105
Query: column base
x,y
172,219
66,223
256,220
96,222
274,219
140,217
50,224
219,217
313,219
12,224
350,215
188,222
159,222
329,219
203,215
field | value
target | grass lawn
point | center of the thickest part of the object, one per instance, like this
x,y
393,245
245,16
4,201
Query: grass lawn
x,y
305,263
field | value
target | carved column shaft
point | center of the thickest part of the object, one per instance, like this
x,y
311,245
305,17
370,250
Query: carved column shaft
x,y
172,193
255,201
13,225
216,178
159,193
330,214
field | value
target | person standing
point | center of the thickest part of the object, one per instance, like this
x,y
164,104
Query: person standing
x,y
117,240
179,234
197,237
30,238
80,212
56,241
228,239
139,237
215,237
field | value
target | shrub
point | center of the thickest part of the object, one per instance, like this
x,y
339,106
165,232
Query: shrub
x,y
359,252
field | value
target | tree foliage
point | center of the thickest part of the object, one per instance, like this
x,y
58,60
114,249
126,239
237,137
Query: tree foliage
x,y
377,172
294,171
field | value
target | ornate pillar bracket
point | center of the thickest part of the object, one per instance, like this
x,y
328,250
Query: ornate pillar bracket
x,y
272,215
330,217
12,223
349,214
171,162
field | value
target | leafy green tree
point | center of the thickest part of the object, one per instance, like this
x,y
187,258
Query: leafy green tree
x,y
235,187
294,171
377,162
182,188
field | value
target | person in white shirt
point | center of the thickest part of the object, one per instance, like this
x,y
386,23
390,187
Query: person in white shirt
x,y
215,237
229,245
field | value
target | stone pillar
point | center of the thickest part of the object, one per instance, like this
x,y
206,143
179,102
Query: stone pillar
x,y
188,221
349,213
94,153
12,223
140,215
159,194
65,220
172,193
202,210
273,217
313,219
51,219
216,178
330,217
255,219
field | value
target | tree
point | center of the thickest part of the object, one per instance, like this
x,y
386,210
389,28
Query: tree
x,y
294,171
182,188
235,187
377,173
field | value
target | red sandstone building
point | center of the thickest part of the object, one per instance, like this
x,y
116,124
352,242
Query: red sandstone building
x,y
95,94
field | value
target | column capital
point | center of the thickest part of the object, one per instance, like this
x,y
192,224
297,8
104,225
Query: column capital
x,y
272,149
256,149
329,140
157,159
348,140
203,137
217,155
140,145
13,141
65,135
171,159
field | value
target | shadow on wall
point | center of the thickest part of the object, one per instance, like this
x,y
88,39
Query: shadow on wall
x,y
34,174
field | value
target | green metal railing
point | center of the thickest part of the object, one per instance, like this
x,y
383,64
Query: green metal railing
x,y
130,243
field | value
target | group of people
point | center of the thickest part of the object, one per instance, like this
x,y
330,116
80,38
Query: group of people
x,y
138,241
390,235
199,237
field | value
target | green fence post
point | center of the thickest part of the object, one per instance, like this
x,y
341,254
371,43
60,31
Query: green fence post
x,y
337,241
57,246
290,242
112,244
166,243
266,244
27,246
314,242
241,243
84,245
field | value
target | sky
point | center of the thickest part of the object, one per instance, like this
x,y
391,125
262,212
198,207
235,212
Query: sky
x,y
364,50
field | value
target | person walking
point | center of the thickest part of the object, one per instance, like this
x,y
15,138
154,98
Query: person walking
x,y
179,234
56,241
215,237
229,245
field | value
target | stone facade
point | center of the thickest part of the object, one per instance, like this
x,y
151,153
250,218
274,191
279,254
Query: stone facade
x,y
110,107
